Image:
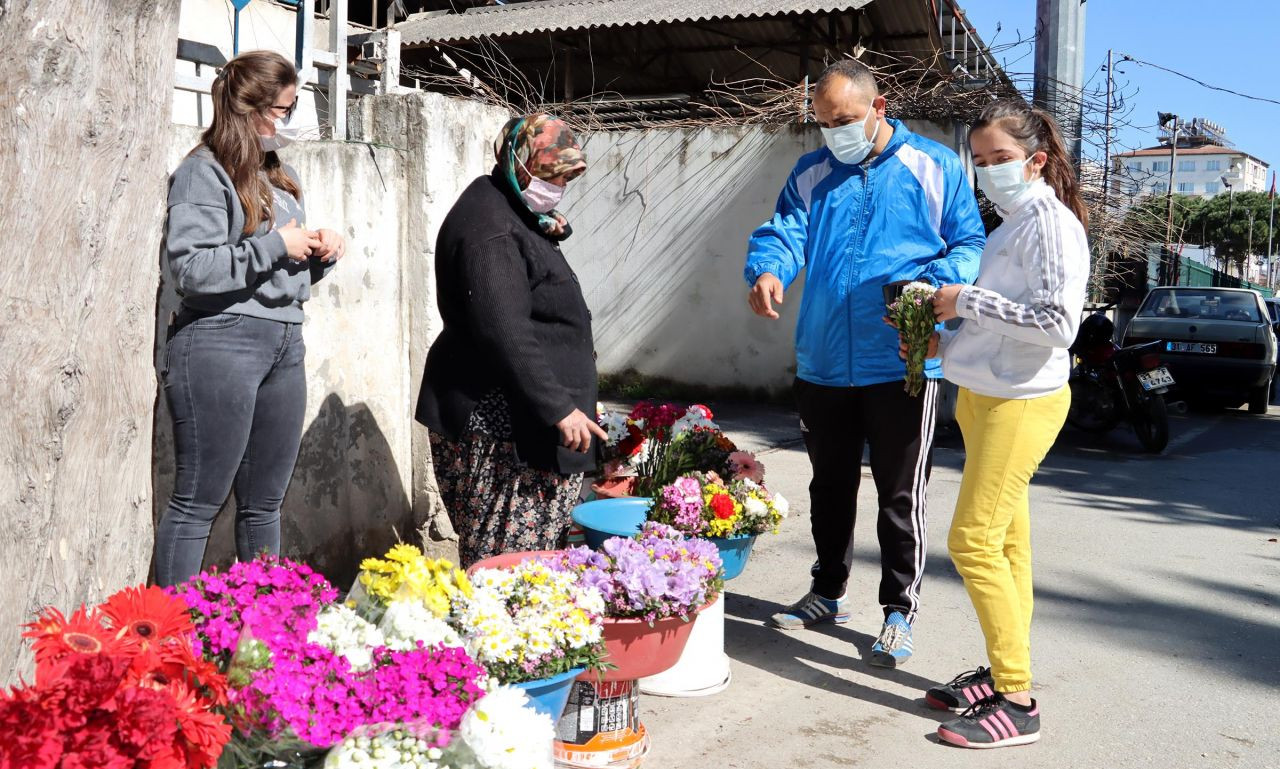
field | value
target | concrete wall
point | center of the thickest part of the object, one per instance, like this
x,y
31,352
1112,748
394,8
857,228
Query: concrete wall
x,y
363,471
661,222
448,143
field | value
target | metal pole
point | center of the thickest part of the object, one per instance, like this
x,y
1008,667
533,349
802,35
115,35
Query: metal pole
x,y
235,33
303,40
1106,142
1231,210
1271,231
338,82
1248,251
1168,232
1059,69
1105,255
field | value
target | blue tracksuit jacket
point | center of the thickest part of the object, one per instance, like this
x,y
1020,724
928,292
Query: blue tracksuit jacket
x,y
909,214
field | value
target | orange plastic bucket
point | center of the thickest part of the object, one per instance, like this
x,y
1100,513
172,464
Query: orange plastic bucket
x,y
601,728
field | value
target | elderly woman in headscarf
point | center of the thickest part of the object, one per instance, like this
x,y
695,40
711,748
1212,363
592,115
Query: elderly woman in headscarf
x,y
509,392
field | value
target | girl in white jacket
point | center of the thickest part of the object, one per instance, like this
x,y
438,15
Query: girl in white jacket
x,y
1009,357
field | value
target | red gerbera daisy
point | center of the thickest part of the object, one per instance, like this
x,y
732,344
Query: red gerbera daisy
x,y
206,732
147,615
181,665
55,636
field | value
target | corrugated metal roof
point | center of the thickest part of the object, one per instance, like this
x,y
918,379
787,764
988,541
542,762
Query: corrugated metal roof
x,y
563,15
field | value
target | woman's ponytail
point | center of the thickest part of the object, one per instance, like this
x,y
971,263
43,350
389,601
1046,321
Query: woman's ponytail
x,y
1035,131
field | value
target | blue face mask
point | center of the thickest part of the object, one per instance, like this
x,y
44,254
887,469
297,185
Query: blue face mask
x,y
849,143
1004,184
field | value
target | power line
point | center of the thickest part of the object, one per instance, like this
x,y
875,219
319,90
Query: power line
x,y
1126,57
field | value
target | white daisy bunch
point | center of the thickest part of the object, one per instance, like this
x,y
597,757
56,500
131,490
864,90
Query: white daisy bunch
x,y
522,624
392,749
502,731
762,510
340,630
614,424
781,504
405,623
694,419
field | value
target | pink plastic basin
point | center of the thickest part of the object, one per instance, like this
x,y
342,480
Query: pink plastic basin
x,y
640,650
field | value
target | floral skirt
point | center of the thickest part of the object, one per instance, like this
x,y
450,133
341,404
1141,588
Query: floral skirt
x,y
496,504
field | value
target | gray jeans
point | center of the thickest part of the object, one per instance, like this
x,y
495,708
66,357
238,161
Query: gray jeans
x,y
237,392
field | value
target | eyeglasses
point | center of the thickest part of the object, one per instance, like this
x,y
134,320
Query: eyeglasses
x,y
286,109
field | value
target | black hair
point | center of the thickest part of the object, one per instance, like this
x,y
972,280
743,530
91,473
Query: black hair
x,y
854,71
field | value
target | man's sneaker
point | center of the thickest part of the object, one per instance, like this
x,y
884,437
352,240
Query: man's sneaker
x,y
963,691
993,723
893,648
811,610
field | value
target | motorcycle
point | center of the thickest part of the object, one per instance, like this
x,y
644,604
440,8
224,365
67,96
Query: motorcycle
x,y
1110,384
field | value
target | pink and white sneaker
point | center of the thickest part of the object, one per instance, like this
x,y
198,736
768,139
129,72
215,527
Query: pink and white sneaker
x,y
961,692
993,722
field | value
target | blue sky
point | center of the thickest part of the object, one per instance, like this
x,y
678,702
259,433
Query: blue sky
x,y
1229,43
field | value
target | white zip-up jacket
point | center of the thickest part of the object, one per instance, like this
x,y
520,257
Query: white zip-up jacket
x,y
1022,313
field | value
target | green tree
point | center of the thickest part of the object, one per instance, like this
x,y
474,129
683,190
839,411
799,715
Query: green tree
x,y
1221,223
1235,226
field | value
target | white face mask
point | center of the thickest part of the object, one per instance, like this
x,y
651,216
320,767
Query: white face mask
x,y
849,143
1004,184
287,132
541,195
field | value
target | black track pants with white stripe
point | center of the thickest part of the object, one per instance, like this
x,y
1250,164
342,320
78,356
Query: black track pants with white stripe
x,y
837,423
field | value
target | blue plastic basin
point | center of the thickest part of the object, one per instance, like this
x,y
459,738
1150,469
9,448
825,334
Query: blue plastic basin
x,y
734,552
605,518
550,695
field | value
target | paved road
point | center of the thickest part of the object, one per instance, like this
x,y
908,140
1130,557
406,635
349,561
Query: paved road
x,y
1156,638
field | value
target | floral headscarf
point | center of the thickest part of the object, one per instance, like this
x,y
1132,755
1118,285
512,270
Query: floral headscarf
x,y
540,145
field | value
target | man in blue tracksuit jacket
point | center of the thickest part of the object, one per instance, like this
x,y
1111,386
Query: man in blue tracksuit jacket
x,y
877,205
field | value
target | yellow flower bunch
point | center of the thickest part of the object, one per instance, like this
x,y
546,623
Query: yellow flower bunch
x,y
405,574
723,511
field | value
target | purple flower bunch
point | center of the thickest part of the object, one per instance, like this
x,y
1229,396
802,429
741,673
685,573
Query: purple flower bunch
x,y
658,574
293,688
312,693
681,503
270,595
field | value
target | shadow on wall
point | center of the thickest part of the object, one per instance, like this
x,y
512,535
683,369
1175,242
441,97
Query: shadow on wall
x,y
346,501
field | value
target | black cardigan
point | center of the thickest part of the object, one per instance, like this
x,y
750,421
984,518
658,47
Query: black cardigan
x,y
514,319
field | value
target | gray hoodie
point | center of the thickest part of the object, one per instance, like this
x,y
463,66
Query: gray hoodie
x,y
215,266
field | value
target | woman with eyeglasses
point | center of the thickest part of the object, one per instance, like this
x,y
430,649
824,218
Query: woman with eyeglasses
x,y
243,260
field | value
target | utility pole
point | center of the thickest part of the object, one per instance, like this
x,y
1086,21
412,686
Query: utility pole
x,y
1059,70
1106,137
1248,250
1271,231
1104,257
1231,210
1164,118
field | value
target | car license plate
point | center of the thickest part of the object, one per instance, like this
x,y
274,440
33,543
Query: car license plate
x,y
1156,378
1202,348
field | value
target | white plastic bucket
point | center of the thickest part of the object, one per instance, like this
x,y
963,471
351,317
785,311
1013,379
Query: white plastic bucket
x,y
703,668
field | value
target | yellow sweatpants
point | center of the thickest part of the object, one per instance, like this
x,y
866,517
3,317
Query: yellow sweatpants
x,y
990,542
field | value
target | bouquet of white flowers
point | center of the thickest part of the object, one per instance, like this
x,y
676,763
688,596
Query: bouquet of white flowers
x,y
912,313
